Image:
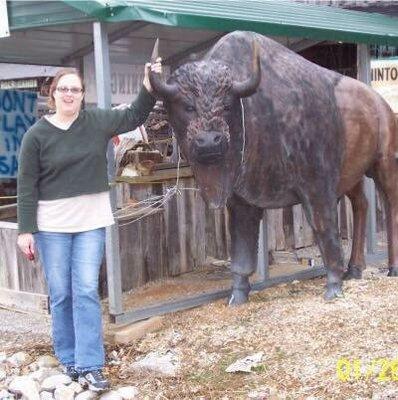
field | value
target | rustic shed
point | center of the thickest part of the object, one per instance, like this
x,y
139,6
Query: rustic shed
x,y
62,32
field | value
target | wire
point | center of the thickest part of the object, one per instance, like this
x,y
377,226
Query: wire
x,y
163,199
244,131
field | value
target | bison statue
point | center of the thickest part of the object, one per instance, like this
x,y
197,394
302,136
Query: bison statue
x,y
262,128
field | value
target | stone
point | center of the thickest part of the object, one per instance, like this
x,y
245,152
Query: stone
x,y
43,373
19,359
25,386
86,395
53,381
263,393
3,374
246,364
386,394
5,394
47,362
64,393
166,364
33,366
3,357
76,387
111,395
46,396
128,392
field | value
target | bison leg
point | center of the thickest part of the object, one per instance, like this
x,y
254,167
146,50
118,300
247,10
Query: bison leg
x,y
243,226
322,216
386,176
359,208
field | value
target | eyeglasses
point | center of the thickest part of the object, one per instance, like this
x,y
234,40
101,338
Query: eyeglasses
x,y
73,89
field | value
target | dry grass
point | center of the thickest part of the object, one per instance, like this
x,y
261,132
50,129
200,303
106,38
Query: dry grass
x,y
301,335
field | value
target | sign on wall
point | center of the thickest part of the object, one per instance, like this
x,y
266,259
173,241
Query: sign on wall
x,y
384,75
17,114
126,81
4,27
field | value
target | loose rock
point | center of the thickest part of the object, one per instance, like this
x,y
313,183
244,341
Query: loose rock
x,y
76,387
128,392
47,362
165,364
86,395
112,395
46,396
19,359
64,393
52,382
5,394
26,386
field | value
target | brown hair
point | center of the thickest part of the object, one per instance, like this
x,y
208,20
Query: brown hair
x,y
54,84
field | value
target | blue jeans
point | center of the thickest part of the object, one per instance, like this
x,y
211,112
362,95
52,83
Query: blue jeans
x,y
71,264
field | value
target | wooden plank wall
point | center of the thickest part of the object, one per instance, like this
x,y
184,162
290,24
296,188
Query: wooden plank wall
x,y
172,241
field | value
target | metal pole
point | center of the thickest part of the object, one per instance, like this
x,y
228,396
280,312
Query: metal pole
x,y
103,79
363,74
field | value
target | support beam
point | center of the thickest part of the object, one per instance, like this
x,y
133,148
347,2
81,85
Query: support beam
x,y
119,34
198,300
103,79
363,74
302,45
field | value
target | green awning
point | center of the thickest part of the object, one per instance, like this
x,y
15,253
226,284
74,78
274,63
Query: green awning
x,y
270,17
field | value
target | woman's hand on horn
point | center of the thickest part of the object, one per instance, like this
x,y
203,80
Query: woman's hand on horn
x,y
155,67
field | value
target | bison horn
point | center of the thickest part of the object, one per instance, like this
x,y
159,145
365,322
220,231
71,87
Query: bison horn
x,y
249,86
159,87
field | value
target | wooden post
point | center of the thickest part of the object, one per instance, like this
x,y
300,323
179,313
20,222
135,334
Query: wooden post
x,y
363,74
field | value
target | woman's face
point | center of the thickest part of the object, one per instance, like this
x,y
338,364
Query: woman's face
x,y
68,95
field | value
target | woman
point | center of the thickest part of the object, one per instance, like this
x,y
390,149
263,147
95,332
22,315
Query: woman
x,y
63,209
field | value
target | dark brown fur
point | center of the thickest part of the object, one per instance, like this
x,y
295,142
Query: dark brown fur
x,y
309,136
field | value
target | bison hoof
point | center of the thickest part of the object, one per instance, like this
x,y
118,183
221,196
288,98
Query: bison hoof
x,y
393,271
333,291
238,297
353,272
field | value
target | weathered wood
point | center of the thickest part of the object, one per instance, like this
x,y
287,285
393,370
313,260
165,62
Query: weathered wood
x,y
8,211
175,239
172,237
128,333
303,235
288,222
158,176
270,229
24,301
9,277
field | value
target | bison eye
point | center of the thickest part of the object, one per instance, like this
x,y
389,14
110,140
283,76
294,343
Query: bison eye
x,y
190,108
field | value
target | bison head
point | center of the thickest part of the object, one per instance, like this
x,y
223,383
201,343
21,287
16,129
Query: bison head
x,y
203,103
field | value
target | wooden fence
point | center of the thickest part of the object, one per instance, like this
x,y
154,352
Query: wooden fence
x,y
173,240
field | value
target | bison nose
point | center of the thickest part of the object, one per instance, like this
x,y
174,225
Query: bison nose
x,y
208,140
209,147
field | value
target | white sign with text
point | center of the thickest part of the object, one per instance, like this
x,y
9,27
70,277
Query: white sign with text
x,y
384,75
126,81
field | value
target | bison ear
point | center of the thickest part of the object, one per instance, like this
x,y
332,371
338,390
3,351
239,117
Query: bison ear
x,y
161,89
250,85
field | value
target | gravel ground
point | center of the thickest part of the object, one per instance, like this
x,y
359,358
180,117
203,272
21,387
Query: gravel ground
x,y
18,329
